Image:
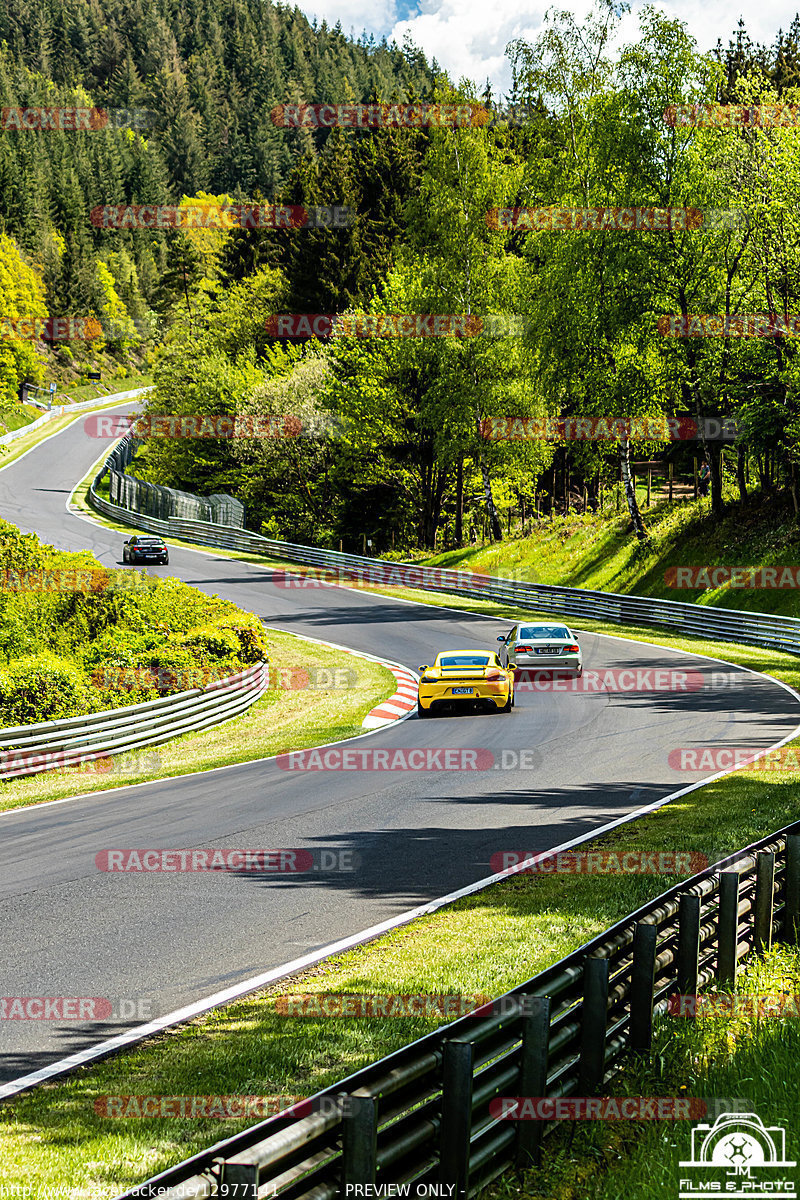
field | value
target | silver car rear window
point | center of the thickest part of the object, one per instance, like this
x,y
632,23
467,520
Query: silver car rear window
x,y
533,632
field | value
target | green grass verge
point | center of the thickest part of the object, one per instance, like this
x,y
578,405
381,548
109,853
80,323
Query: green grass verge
x,y
719,1057
284,719
596,551
17,416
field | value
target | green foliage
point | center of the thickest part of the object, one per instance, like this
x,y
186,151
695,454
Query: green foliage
x,y
211,643
249,634
209,81
175,668
64,652
41,687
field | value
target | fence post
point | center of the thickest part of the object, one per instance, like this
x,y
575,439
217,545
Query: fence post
x,y
594,1017
791,924
359,1139
239,1179
764,902
457,1083
728,928
533,1074
671,472
688,945
643,971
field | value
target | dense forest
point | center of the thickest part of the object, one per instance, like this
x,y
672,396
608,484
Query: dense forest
x,y
393,443
208,75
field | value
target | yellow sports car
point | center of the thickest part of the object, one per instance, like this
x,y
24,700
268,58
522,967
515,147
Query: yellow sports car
x,y
460,677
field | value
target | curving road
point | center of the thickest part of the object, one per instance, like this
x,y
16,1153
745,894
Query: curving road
x,y
67,929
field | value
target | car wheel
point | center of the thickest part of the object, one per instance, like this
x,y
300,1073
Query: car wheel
x,y
509,704
579,672
124,556
165,560
422,713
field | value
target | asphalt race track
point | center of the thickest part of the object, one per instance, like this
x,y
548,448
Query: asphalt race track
x,y
68,929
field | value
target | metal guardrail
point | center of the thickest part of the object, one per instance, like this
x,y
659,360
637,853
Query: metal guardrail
x,y
422,1114
695,620
47,745
60,409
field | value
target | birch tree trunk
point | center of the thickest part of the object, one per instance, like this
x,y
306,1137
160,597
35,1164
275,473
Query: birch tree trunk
x,y
630,494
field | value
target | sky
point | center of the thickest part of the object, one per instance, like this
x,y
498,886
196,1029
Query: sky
x,y
468,37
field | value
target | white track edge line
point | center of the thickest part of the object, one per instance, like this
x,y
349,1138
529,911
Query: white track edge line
x,y
256,982
24,808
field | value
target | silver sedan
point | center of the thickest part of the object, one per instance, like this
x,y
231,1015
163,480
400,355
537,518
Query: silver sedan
x,y
541,646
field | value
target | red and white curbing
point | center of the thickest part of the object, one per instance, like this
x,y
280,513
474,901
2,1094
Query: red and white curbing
x,y
397,706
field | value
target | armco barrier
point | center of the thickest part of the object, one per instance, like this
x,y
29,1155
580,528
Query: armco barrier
x,y
727,625
60,409
30,749
422,1115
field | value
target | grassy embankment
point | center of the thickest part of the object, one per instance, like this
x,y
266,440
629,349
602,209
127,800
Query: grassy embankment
x,y
595,551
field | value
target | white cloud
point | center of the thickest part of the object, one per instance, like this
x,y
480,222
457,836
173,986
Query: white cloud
x,y
378,17
469,37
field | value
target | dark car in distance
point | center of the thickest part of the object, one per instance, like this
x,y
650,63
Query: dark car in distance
x,y
145,549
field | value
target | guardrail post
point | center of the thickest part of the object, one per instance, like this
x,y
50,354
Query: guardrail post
x,y
594,1017
688,944
764,902
457,1085
359,1139
533,1074
728,928
640,1035
238,1180
791,891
